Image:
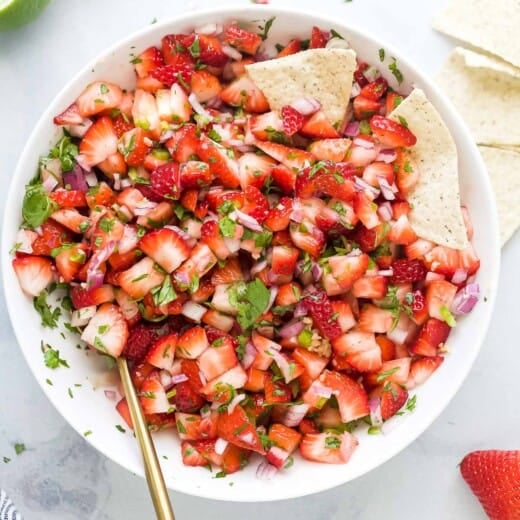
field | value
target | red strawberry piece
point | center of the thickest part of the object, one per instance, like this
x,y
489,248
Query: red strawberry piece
x,y
393,100
80,297
334,150
99,142
254,169
72,219
422,368
121,125
186,399
393,398
365,108
469,260
190,456
292,47
205,85
192,343
322,314
184,143
433,333
165,181
34,273
141,339
318,38
220,164
326,177
369,239
134,146
171,46
237,428
242,92
255,204
307,237
209,50
284,177
345,270
360,350
69,198
179,70
439,296
153,396
141,278
443,260
242,40
331,448
107,330
195,174
70,116
401,232
263,125
279,217
289,157
319,126
70,260
210,235
376,171
406,271
218,358
366,210
370,287
166,247
276,392
375,89
389,133
53,236
283,263
228,273
147,61
100,195
97,97
406,174
494,477
292,120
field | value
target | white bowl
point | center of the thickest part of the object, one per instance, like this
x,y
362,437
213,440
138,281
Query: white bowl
x,y
90,410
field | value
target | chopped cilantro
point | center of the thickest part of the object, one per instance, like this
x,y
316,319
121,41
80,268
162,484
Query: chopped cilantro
x,y
392,67
447,316
250,300
411,403
374,430
6,460
226,207
49,317
221,474
165,293
403,121
214,135
19,448
227,227
266,28
194,48
120,428
387,373
364,127
335,34
332,443
52,358
65,150
37,206
382,54
87,433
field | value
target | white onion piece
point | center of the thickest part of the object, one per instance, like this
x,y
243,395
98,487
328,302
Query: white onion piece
x,y
273,292
111,395
364,143
247,220
356,90
460,275
220,446
250,354
80,129
211,29
376,417
80,317
38,230
247,437
386,272
291,329
50,183
306,105
190,240
194,102
166,379
117,181
265,471
361,185
385,211
231,52
233,244
371,73
143,207
337,43
466,299
82,161
126,183
194,311
24,240
295,414
259,266
386,189
388,155
355,252
234,402
90,178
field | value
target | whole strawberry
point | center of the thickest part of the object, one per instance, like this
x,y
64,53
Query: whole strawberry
x,y
494,477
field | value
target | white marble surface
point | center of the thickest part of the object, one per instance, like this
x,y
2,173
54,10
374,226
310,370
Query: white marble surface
x,y
60,477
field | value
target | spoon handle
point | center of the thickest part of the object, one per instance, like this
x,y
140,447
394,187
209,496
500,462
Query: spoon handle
x,y
153,472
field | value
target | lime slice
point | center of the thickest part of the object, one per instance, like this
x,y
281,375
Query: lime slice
x,y
14,13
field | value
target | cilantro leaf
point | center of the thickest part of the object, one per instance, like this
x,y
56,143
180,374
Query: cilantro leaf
x,y
250,300
37,205
52,358
49,317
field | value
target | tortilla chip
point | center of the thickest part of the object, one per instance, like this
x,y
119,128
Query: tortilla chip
x,y
490,25
435,200
504,171
324,74
486,94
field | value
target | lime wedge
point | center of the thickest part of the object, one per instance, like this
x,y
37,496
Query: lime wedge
x,y
14,13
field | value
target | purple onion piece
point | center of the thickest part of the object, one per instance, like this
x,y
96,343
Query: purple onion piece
x,y
76,179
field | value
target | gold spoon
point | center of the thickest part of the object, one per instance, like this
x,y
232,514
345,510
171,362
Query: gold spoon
x,y
152,468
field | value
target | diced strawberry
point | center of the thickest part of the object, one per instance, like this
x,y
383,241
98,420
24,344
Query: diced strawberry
x,y
374,319
351,396
70,260
330,149
370,287
322,314
218,358
133,145
205,85
186,399
389,133
166,247
179,70
145,114
283,263
53,236
141,278
288,294
319,126
361,350
276,391
405,271
393,398
255,380
263,125
113,165
432,334
439,295
345,270
108,229
124,412
308,237
284,177
292,120
284,437
190,427
207,449
192,343
396,370
242,92
443,260
99,96
34,273
70,116
165,181
313,363
128,307
68,198
377,170
190,456
198,264
279,217
290,157
162,352
234,458
292,47
100,195
221,165
419,248
387,347
469,260
211,52
107,330
99,142
401,232
406,173
212,237
218,389
422,368
142,337
242,40
228,273
375,90
334,179
147,61
318,38
365,108
366,210
393,100
153,396
184,143
237,428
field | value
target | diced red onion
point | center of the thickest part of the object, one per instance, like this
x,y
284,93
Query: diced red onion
x,y
460,275
273,292
466,299
385,211
322,390
231,52
364,143
220,446
291,329
306,105
376,417
355,252
50,183
182,277
80,317
199,109
259,266
317,271
352,129
166,379
295,414
300,310
388,155
194,311
95,277
24,240
211,29
117,181
215,102
337,43
250,354
168,134
234,402
245,148
386,189
297,215
144,206
248,221
265,471
111,395
262,56
361,185
179,378
91,178
386,272
186,236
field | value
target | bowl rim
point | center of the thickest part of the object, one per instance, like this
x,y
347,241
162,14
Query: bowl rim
x,y
263,11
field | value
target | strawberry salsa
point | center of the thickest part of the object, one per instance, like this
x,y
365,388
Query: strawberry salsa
x,y
257,267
